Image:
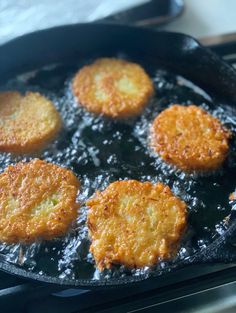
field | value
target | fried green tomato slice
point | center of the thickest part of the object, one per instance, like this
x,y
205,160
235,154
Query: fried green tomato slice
x,y
37,201
190,138
135,224
112,87
27,122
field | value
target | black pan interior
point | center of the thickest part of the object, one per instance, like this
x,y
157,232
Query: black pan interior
x,y
100,151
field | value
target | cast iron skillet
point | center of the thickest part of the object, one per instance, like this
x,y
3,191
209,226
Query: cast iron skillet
x,y
176,52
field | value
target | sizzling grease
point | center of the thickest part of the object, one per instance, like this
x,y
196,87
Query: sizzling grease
x,y
101,151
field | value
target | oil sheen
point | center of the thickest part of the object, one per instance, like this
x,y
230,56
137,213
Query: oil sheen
x,y
100,151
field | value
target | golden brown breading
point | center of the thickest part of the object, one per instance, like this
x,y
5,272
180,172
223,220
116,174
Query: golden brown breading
x,y
232,196
190,138
37,201
113,87
27,123
136,224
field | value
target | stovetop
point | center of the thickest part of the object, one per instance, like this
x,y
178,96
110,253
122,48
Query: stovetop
x,y
203,288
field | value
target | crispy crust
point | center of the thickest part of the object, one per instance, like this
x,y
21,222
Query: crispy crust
x,y
232,196
113,87
37,201
27,123
135,224
190,138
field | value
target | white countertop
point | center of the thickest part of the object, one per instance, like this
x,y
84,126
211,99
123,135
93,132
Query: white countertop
x,y
201,17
